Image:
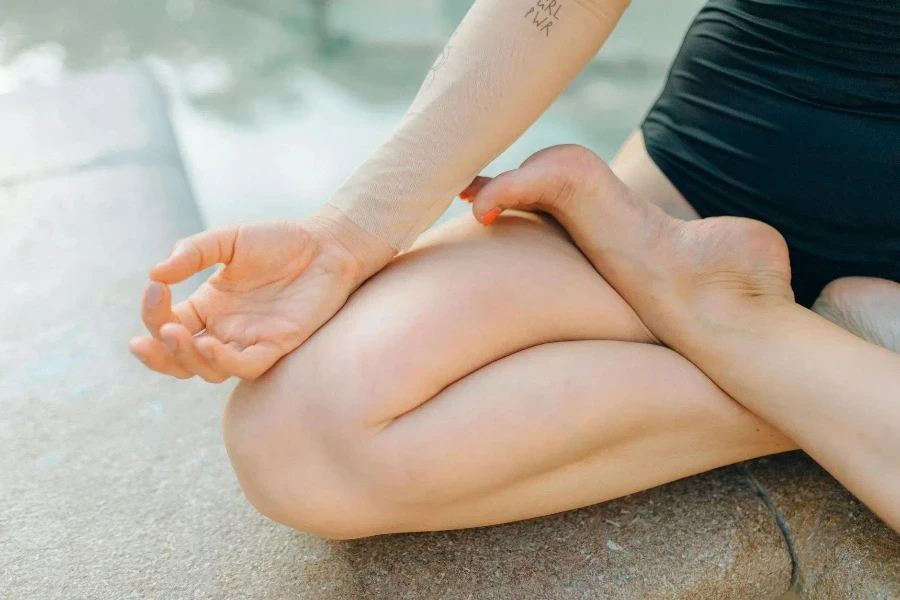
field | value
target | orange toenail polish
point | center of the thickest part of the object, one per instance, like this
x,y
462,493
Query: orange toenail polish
x,y
490,217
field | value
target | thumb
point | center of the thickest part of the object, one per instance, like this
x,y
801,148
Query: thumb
x,y
196,253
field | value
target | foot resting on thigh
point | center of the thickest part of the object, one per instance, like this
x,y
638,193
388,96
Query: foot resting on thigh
x,y
864,306
670,271
717,291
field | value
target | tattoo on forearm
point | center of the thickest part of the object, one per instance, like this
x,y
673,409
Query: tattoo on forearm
x,y
438,63
544,14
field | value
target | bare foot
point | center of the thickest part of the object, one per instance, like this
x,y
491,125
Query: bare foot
x,y
679,276
864,306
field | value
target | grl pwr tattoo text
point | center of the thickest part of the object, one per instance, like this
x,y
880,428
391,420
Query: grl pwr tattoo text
x,y
543,14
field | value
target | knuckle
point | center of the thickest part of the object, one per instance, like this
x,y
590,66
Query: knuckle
x,y
192,248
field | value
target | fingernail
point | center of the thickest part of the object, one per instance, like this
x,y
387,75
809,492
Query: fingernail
x,y
490,217
171,344
154,295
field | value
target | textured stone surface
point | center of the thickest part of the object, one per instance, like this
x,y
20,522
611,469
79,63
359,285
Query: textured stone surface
x,y
843,551
705,537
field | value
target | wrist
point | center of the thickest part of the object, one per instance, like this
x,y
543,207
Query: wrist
x,y
366,253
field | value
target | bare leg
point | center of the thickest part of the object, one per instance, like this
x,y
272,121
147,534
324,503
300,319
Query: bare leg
x,y
718,291
489,375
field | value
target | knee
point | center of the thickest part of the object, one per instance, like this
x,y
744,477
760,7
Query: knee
x,y
865,306
286,467
307,455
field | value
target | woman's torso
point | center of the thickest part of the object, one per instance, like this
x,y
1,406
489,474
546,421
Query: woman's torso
x,y
788,111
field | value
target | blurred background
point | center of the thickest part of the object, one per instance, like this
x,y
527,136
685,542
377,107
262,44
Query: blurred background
x,y
275,102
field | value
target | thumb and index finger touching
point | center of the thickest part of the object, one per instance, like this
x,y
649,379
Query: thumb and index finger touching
x,y
189,256
196,253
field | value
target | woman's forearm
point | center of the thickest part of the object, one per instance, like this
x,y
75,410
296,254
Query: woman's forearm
x,y
835,395
506,63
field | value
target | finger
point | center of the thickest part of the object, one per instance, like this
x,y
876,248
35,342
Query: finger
x,y
157,310
248,364
183,347
196,253
185,314
472,190
157,358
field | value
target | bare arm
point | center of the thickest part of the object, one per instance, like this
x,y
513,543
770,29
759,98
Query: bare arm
x,y
504,66
506,63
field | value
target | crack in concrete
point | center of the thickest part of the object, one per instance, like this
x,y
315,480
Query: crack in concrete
x,y
762,494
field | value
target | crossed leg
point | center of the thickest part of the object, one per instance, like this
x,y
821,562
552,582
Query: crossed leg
x,y
489,375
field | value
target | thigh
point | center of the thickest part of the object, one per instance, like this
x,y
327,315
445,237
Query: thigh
x,y
466,296
478,339
463,297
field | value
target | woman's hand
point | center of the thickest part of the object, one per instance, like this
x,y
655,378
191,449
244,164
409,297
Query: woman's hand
x,y
281,281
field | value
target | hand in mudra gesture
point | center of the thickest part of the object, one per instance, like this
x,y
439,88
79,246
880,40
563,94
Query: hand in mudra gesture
x,y
281,280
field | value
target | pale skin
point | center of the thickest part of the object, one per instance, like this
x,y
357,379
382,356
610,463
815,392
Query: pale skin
x,y
718,292
491,374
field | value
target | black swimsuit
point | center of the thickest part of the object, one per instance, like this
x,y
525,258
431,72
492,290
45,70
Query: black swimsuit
x,y
788,111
